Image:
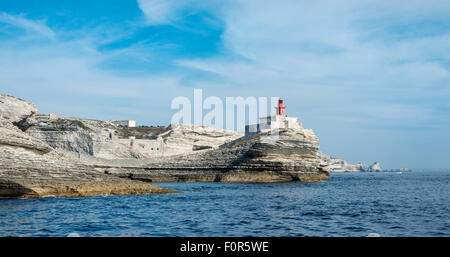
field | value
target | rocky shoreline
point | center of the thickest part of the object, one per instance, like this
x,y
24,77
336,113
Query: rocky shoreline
x,y
43,155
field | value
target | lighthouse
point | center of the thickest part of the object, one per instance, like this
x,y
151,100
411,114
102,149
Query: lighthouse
x,y
281,109
277,121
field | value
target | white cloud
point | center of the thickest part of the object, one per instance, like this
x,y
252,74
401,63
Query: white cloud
x,y
321,48
162,12
158,12
361,73
38,27
341,66
65,76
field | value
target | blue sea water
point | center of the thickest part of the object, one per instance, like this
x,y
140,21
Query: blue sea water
x,y
348,204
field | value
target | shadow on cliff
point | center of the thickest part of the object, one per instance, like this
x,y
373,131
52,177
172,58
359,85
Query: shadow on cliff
x,y
9,189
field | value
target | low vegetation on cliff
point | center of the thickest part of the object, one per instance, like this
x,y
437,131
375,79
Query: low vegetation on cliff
x,y
141,132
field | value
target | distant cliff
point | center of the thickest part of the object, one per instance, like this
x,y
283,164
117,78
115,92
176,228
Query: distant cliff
x,y
340,165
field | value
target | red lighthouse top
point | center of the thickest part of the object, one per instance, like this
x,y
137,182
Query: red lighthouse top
x,y
281,109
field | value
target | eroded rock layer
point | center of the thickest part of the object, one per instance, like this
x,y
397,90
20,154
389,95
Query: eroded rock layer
x,y
31,168
49,155
278,156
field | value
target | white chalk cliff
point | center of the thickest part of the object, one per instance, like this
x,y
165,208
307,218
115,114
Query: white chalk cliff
x,y
51,155
340,165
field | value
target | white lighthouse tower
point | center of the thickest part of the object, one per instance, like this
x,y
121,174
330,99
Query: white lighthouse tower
x,y
277,121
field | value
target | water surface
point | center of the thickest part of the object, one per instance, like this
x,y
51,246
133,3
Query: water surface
x,y
348,204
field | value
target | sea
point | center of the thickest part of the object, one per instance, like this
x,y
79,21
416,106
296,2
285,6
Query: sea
x,y
347,204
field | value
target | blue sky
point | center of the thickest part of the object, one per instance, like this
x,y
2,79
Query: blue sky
x,y
372,78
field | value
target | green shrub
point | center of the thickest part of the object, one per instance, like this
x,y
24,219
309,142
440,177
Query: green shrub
x,y
79,124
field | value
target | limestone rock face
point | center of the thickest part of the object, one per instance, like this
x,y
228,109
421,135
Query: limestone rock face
x,y
49,155
181,139
30,167
375,167
23,173
340,165
14,137
20,113
83,138
277,156
79,138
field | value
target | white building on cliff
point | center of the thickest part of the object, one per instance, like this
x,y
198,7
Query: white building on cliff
x,y
277,121
123,123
